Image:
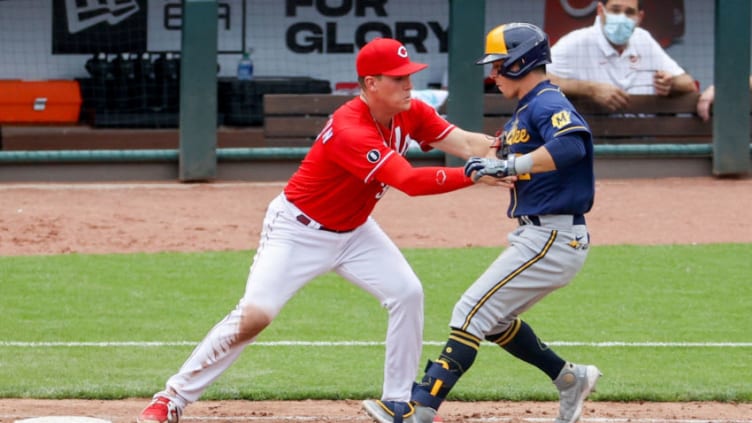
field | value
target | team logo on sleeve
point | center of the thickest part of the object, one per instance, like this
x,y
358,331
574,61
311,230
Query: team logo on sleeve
x,y
373,156
561,119
441,177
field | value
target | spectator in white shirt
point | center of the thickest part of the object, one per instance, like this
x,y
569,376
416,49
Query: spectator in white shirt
x,y
614,58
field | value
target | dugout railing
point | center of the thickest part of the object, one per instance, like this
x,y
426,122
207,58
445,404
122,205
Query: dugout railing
x,y
653,137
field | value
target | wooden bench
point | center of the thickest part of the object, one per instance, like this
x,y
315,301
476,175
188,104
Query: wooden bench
x,y
296,119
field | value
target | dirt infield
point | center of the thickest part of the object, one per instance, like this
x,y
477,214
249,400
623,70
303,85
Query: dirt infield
x,y
114,218
86,218
348,411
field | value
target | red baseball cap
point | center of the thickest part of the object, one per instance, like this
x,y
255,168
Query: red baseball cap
x,y
385,56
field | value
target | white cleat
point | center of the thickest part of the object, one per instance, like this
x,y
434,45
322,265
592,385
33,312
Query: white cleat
x,y
575,383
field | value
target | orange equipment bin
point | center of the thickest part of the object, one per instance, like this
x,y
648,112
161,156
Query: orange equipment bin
x,y
52,101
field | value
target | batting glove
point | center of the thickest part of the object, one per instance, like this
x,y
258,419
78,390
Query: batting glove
x,y
473,164
495,167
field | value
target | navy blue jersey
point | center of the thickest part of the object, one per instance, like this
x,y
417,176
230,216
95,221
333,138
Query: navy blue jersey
x,y
541,116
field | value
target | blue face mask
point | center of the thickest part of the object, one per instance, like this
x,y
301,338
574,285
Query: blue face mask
x,y
618,28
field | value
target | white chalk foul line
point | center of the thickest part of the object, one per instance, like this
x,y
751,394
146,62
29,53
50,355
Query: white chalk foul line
x,y
157,344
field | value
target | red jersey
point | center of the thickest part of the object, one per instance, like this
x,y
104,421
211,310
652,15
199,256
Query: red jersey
x,y
335,183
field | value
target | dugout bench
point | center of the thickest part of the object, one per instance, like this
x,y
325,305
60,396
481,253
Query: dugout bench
x,y
295,120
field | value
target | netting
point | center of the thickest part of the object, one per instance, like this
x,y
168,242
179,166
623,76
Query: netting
x,y
125,53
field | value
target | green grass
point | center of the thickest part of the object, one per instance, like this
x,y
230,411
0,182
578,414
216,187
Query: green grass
x,y
677,295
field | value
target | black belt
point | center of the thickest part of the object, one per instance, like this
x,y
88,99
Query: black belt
x,y
577,219
307,221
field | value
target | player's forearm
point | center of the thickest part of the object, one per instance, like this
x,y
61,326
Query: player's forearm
x,y
540,160
465,144
433,180
428,180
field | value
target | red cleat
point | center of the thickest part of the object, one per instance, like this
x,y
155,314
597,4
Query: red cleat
x,y
160,410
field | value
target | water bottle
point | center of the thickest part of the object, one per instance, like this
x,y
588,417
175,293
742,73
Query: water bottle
x,y
245,67
145,67
124,66
98,67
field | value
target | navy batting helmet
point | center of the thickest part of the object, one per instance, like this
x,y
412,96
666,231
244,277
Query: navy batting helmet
x,y
521,43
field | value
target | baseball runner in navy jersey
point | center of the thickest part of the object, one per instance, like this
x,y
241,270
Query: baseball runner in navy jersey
x,y
547,157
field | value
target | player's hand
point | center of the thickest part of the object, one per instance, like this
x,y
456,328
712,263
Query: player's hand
x,y
477,167
505,182
662,82
500,147
473,164
610,96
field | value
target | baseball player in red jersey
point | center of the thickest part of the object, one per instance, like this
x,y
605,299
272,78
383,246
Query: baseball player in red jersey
x,y
322,223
